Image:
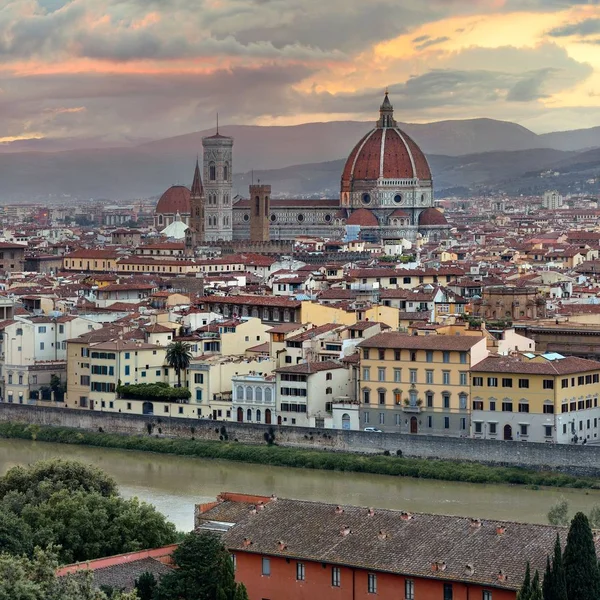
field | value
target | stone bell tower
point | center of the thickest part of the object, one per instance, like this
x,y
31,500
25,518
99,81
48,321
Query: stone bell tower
x,y
195,234
260,202
218,206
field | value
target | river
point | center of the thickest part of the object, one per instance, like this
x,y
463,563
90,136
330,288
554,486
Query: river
x,y
175,483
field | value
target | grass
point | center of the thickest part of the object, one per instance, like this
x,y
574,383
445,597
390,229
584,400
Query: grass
x,y
270,454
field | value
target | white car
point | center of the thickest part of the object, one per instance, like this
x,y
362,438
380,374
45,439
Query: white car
x,y
373,430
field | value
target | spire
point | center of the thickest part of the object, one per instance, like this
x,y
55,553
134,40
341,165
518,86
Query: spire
x,y
197,189
217,123
386,113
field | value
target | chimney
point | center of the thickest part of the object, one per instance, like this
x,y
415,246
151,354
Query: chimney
x,y
253,510
345,531
500,530
371,512
440,565
475,523
273,498
260,505
406,516
382,535
247,542
501,576
469,570
281,546
339,510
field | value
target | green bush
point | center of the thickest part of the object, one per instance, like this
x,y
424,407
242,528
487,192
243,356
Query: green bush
x,y
275,455
153,391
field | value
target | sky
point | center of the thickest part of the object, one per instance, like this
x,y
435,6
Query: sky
x,y
118,70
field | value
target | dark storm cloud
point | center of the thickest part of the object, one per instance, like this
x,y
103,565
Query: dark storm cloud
x,y
583,28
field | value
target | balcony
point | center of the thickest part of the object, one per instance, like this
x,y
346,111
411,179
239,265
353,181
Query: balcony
x,y
408,408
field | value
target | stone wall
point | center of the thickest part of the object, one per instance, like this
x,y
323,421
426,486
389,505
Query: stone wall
x,y
582,460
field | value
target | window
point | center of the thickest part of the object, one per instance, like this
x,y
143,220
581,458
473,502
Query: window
x,y
446,377
462,401
463,378
366,354
478,426
446,400
430,422
381,396
548,384
413,357
300,572
41,345
507,406
493,428
381,354
477,381
328,377
446,422
463,358
266,566
429,376
564,383
409,590
413,376
366,396
523,383
548,430
446,356
507,382
234,561
336,577
523,429
477,404
381,374
127,370
198,378
84,380
198,395
366,374
372,583
523,407
42,329
447,591
127,355
396,354
429,399
382,418
429,356
486,595
492,381
492,405
397,375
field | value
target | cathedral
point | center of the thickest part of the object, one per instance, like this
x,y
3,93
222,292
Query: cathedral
x,y
386,192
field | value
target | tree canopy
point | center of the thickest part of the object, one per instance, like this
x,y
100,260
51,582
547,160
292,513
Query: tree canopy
x,y
77,507
178,357
582,574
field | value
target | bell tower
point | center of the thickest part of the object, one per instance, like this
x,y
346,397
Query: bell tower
x,y
196,224
260,202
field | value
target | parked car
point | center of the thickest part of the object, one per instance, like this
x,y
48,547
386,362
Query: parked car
x,y
373,429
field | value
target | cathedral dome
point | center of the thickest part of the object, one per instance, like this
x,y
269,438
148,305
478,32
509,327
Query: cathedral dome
x,y
431,217
362,217
175,200
386,152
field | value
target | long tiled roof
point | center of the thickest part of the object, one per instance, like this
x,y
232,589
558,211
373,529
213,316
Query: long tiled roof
x,y
419,545
562,366
394,339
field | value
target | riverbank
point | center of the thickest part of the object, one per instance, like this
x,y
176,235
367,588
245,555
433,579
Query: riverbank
x,y
274,455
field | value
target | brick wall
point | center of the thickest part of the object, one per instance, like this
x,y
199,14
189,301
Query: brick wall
x,y
578,460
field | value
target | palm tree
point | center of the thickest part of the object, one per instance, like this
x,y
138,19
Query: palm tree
x,y
178,358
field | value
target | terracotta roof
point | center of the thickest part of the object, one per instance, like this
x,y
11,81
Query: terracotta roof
x,y
310,368
432,216
314,331
512,364
394,339
394,542
279,301
363,217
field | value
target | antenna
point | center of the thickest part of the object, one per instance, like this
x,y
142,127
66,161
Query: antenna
x,y
217,123
252,176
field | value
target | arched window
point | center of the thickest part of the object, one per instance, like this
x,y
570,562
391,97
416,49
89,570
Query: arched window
x,y
249,415
249,393
239,395
197,211
329,377
268,396
345,421
257,206
258,394
258,415
226,172
160,219
212,171
462,401
266,206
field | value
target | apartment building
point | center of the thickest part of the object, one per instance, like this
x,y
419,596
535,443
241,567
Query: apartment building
x,y
536,398
306,392
254,398
417,384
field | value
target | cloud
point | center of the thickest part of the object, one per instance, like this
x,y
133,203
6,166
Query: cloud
x,y
431,42
530,88
582,28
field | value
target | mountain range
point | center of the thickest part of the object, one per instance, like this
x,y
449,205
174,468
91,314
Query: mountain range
x,y
465,156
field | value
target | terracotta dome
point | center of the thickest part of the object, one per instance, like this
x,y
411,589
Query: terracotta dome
x,y
175,200
430,217
362,217
386,152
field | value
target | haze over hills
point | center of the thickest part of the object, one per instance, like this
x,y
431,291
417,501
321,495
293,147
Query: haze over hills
x,y
463,154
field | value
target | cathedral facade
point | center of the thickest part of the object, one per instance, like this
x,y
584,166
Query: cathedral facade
x,y
386,192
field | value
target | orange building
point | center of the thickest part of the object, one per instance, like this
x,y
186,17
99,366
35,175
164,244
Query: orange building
x,y
298,550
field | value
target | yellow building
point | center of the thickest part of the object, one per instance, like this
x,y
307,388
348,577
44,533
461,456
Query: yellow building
x,y
417,384
536,398
95,261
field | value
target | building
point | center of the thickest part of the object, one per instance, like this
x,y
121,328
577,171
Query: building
x,y
386,192
536,398
196,231
175,201
12,257
552,200
254,398
218,165
295,549
509,303
417,384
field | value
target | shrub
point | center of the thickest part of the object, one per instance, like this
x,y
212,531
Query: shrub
x,y
153,391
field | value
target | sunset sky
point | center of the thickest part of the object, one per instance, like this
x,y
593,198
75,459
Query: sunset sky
x,y
117,70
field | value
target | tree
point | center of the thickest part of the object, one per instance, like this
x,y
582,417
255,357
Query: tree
x,y
557,584
15,534
204,571
547,586
559,513
241,593
582,575
146,586
525,592
178,358
536,589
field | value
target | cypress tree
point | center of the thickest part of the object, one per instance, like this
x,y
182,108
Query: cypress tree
x,y
525,591
582,575
559,585
536,590
241,592
548,585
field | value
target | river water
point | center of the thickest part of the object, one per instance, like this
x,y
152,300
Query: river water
x,y
174,484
